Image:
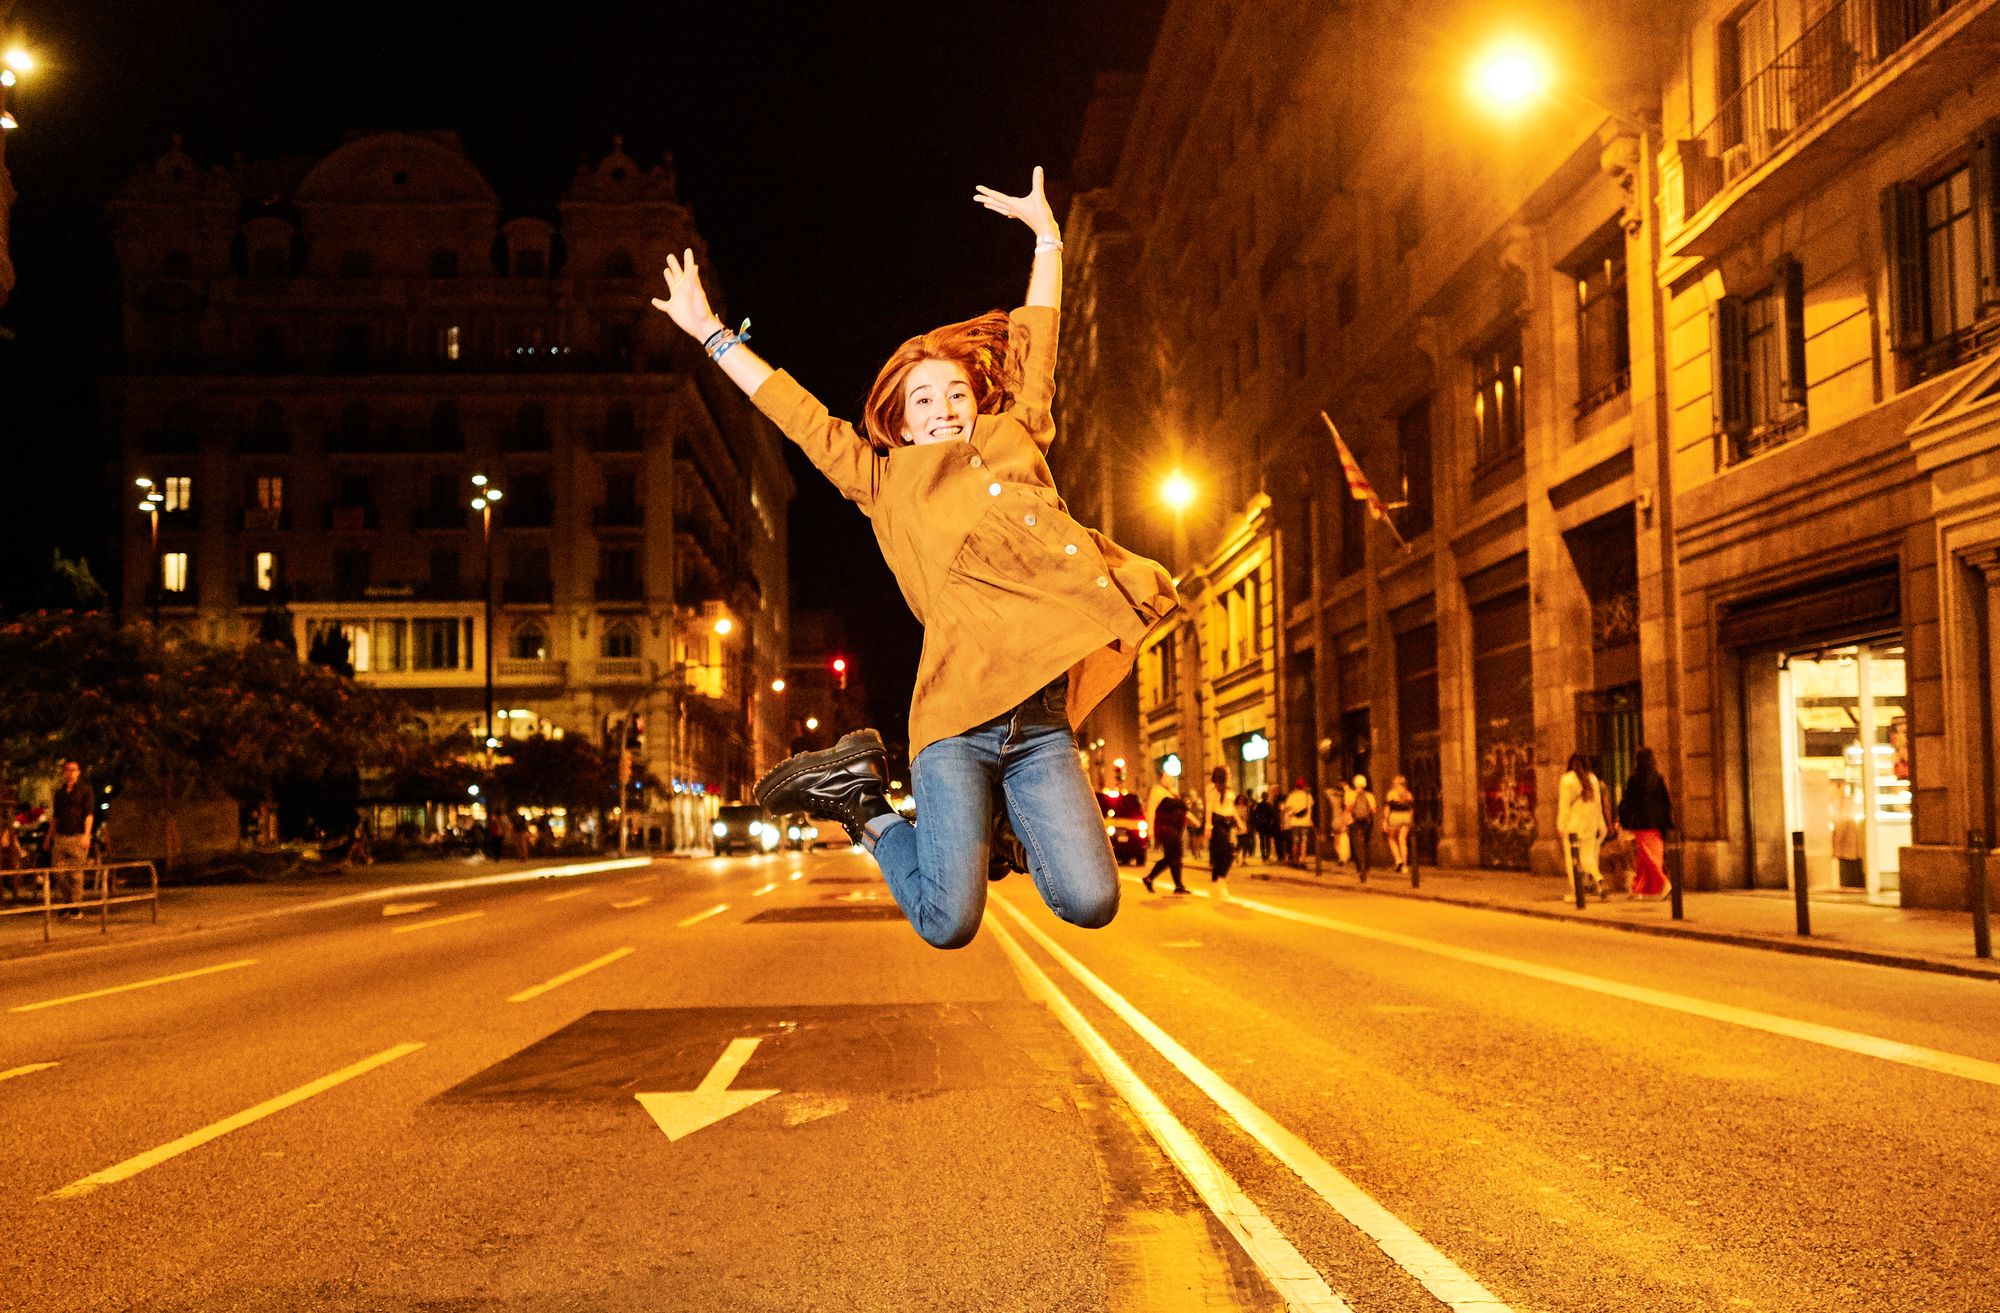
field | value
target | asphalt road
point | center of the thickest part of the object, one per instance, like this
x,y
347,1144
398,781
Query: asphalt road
x,y
1292,1098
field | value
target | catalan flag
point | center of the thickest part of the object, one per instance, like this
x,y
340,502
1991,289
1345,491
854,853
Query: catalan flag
x,y
1358,485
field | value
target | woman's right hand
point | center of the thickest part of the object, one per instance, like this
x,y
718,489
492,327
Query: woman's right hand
x,y
687,302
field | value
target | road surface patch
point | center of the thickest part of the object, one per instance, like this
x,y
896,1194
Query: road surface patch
x,y
28,1070
1452,1285
846,912
152,1158
137,984
717,910
1913,1055
536,991
426,925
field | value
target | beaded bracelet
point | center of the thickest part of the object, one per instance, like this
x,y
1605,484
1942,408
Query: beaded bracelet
x,y
722,339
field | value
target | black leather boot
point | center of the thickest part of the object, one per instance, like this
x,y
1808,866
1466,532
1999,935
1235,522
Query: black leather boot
x,y
844,783
1008,852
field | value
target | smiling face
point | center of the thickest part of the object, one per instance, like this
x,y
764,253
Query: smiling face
x,y
937,403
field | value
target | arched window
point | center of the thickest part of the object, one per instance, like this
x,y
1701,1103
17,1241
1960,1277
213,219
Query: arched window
x,y
618,264
177,264
621,642
531,643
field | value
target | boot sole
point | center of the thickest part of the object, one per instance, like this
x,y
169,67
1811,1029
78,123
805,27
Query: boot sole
x,y
786,771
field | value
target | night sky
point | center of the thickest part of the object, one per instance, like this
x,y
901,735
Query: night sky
x,y
829,152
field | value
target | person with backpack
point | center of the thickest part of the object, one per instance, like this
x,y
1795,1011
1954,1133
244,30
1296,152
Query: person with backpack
x,y
1360,822
1169,827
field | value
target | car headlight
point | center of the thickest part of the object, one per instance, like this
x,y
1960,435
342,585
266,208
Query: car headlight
x,y
756,828
1111,832
770,837
718,829
793,834
1142,829
811,832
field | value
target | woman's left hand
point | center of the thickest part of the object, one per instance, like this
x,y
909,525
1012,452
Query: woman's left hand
x,y
1032,209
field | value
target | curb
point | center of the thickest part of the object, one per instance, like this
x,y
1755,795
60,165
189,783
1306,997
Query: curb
x,y
1904,962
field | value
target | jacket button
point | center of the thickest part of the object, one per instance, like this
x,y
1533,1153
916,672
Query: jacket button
x,y
993,488
1070,548
1102,582
1029,519
975,462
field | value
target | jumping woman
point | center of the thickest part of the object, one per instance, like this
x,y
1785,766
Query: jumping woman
x,y
1029,618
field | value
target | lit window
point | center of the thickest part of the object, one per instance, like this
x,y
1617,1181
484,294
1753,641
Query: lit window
x,y
270,492
174,571
1496,397
447,343
179,494
267,571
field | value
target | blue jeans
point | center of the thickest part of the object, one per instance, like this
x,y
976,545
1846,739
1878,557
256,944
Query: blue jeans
x,y
937,867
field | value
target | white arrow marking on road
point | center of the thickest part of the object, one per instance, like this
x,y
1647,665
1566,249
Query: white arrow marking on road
x,y
711,1101
404,909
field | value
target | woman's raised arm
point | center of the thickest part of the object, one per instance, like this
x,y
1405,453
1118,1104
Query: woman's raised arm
x,y
687,305
1045,282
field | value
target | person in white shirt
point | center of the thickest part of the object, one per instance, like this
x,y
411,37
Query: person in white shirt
x,y
1580,816
1298,818
1220,802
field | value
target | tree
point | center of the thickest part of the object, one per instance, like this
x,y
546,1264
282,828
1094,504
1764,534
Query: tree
x,y
570,772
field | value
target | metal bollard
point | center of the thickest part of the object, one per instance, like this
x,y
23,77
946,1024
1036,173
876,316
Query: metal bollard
x,y
1799,881
1575,870
1410,849
1674,873
1982,934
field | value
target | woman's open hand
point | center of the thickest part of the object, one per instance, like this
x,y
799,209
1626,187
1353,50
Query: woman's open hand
x,y
686,302
1032,209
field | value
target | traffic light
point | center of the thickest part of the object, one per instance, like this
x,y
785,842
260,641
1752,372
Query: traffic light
x,y
840,671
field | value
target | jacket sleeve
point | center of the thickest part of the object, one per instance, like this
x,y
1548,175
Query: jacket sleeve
x,y
840,453
1031,346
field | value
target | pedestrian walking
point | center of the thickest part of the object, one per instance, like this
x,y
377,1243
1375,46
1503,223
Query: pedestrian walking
x,y
1246,838
1399,817
1264,819
1360,822
1220,801
1580,817
1163,787
1298,816
12,858
1169,825
1648,812
73,813
1029,618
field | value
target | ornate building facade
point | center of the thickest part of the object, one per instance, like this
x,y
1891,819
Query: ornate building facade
x,y
324,363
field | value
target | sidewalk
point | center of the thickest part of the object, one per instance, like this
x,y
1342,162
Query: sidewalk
x,y
184,908
1842,926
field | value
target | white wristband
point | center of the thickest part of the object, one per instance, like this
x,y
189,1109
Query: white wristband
x,y
1047,244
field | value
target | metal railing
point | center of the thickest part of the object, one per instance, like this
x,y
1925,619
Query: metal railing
x,y
107,882
1839,51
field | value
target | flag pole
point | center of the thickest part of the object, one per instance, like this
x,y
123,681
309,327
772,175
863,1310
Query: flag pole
x,y
1358,485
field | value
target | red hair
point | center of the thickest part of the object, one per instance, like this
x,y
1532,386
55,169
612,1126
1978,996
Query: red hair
x,y
978,346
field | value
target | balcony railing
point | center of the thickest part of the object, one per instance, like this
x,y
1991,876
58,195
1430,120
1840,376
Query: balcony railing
x,y
266,518
621,670
539,672
1835,54
352,519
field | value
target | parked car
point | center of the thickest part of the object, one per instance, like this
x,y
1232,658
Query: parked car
x,y
743,827
1125,825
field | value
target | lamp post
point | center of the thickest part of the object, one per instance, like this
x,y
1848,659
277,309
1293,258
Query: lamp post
x,y
151,507
15,62
485,498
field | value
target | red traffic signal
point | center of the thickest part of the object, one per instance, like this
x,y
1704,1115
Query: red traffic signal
x,y
840,670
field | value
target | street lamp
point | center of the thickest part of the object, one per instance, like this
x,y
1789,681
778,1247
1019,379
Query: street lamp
x,y
12,65
1177,492
486,497
150,506
1509,75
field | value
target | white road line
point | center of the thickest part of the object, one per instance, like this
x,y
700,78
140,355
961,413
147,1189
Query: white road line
x,y
536,991
703,916
1950,1064
153,1158
798,875
570,893
1303,1288
28,1070
137,984
631,902
644,879
1443,1278
758,893
425,925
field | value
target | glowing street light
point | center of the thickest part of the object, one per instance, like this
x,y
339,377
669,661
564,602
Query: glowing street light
x,y
723,625
1177,492
20,60
486,499
777,686
1509,75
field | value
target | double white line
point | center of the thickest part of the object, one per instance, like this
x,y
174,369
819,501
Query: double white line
x,y
1301,1285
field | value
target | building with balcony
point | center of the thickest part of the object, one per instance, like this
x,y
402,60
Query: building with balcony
x,y
318,357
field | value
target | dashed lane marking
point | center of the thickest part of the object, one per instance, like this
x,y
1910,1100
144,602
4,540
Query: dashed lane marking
x,y
404,909
703,916
569,893
631,902
1304,1290
426,925
28,1070
153,1158
1949,1064
758,893
1443,1278
137,984
536,991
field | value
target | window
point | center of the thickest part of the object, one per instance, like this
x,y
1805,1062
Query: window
x,y
434,645
270,492
355,423
1951,256
621,431
618,574
1745,46
264,571
390,646
447,342
268,347
350,569
174,572
1603,331
621,642
1942,284
179,491
530,643
444,571
1413,442
1496,397
621,489
1758,374
444,264
351,347
444,425
356,263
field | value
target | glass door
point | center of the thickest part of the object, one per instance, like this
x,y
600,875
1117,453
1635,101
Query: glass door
x,y
1846,764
